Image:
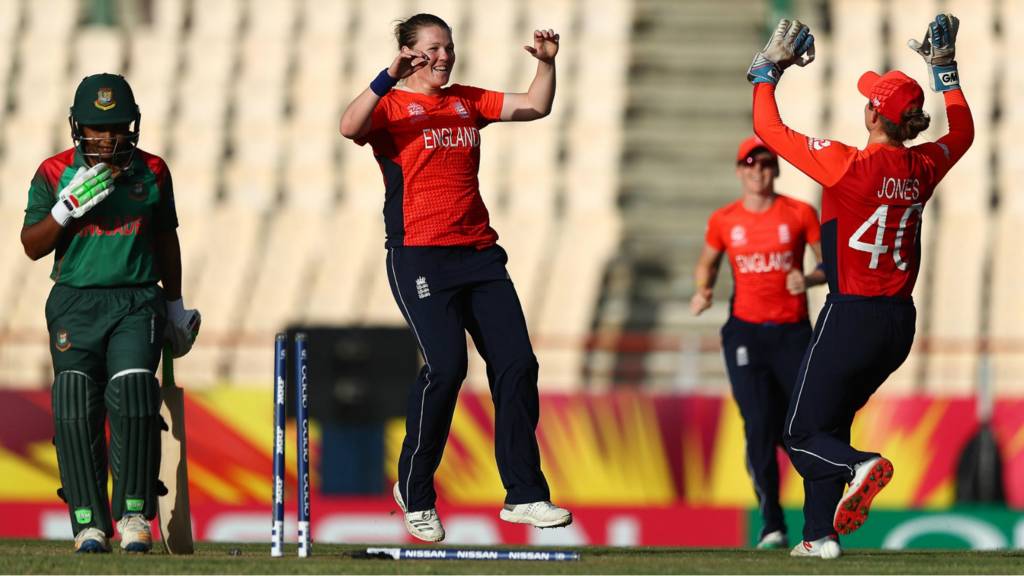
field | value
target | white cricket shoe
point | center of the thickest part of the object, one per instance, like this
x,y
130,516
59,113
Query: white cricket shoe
x,y
826,548
136,535
773,540
424,525
542,514
91,541
869,477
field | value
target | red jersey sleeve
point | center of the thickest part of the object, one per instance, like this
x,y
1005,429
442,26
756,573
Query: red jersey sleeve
x,y
379,120
487,103
713,234
946,151
811,225
825,161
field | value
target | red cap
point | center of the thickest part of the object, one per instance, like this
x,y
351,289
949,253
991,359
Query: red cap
x,y
891,93
751,144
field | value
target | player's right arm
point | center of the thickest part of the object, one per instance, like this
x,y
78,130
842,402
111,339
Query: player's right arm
x,y
41,238
41,231
825,161
46,219
704,277
357,119
705,274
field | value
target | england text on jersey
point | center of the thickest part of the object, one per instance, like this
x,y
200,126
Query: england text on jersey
x,y
762,248
428,150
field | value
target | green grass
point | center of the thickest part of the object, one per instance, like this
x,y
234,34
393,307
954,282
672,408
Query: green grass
x,y
48,557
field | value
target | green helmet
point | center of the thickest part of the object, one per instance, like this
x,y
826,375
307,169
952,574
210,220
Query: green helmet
x,y
104,100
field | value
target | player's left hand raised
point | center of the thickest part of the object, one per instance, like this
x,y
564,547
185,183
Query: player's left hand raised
x,y
545,45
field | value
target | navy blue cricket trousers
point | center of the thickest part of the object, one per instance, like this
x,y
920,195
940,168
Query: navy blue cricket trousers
x,y
857,343
763,361
444,292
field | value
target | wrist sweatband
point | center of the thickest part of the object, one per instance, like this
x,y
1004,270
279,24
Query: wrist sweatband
x,y
945,78
383,83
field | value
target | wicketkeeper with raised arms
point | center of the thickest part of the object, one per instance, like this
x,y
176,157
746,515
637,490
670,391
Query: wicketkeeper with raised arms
x,y
106,208
871,216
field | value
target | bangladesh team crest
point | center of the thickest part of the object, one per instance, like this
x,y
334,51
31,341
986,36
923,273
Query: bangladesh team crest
x,y
105,99
63,341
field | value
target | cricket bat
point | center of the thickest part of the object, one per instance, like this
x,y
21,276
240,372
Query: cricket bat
x,y
175,516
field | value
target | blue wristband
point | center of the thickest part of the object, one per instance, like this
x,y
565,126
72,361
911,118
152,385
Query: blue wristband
x,y
763,71
383,83
945,78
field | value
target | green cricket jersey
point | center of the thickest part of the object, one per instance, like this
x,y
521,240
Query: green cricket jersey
x,y
112,244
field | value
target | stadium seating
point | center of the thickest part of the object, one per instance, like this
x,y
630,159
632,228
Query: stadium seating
x,y
601,206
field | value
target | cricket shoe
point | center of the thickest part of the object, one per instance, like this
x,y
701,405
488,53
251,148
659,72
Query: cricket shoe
x,y
424,525
91,541
826,548
773,540
542,514
869,477
135,533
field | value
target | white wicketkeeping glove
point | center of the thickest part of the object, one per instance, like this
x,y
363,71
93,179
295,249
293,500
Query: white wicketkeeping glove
x,y
791,43
182,327
88,188
939,52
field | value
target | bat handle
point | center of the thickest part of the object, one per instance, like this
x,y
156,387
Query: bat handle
x,y
168,366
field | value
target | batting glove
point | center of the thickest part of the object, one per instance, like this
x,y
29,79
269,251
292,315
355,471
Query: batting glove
x,y
939,51
791,43
182,327
87,188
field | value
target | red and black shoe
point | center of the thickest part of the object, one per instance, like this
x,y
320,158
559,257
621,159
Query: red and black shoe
x,y
869,478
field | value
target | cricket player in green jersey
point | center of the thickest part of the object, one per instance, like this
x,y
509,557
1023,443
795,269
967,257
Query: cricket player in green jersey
x,y
106,209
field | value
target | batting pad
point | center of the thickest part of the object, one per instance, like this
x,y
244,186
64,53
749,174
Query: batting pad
x,y
78,416
133,401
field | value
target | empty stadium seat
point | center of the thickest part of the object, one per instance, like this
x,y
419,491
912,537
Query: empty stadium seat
x,y
281,217
96,49
585,245
340,279
865,40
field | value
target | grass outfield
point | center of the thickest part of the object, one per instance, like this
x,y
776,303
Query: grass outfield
x,y
49,557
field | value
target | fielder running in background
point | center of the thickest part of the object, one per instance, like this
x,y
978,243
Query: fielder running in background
x,y
764,235
107,209
447,272
871,209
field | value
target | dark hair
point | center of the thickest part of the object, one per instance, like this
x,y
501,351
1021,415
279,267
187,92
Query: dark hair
x,y
914,121
406,30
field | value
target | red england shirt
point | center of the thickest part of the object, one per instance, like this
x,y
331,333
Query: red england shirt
x,y
762,248
428,149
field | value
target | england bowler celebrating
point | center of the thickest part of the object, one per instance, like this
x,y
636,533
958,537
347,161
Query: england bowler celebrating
x,y
446,271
